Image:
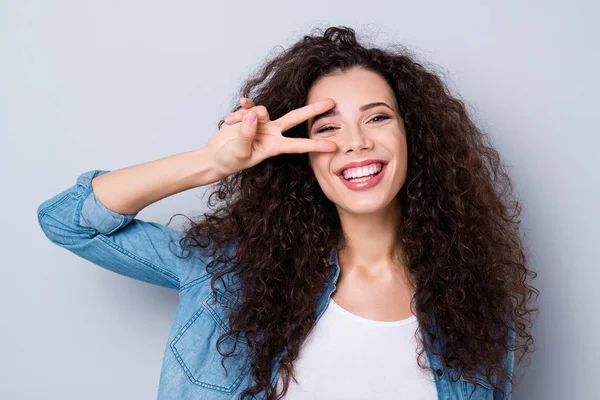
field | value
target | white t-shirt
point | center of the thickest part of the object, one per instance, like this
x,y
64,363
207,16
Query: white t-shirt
x,y
349,357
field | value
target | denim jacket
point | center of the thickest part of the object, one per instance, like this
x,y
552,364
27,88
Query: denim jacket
x,y
77,221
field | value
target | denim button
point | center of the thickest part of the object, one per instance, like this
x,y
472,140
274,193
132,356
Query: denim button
x,y
439,372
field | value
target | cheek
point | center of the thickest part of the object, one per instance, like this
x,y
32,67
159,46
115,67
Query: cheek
x,y
397,145
319,163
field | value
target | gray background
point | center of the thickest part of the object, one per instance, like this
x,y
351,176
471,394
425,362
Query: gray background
x,y
103,85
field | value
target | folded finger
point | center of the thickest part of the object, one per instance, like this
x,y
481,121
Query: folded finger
x,y
246,102
237,116
261,112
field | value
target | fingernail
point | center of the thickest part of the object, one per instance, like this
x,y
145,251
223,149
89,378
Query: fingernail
x,y
229,119
250,117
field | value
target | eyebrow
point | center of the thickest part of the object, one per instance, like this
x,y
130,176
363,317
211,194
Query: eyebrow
x,y
335,112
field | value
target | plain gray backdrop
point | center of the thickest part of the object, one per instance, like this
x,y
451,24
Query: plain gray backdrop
x,y
103,85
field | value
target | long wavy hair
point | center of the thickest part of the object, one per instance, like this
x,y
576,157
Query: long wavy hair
x,y
459,228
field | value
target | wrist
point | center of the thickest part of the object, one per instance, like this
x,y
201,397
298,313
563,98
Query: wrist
x,y
203,165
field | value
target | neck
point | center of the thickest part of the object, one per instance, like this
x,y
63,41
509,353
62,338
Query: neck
x,y
372,250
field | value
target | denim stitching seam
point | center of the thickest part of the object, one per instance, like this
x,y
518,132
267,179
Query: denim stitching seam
x,y
53,205
140,259
194,282
205,307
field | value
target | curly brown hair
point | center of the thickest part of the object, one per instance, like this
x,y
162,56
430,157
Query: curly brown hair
x,y
459,222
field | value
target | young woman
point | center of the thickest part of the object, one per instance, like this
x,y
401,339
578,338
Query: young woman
x,y
363,242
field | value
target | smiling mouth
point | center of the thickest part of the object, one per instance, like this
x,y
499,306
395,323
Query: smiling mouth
x,y
364,182
375,168
364,178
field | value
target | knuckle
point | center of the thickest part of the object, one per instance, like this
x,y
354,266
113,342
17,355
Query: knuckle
x,y
262,110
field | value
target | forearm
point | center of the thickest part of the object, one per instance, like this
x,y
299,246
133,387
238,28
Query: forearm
x,y
128,190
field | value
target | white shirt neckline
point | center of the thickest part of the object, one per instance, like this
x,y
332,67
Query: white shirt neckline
x,y
372,322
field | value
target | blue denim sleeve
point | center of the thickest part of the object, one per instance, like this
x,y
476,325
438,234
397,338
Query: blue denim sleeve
x,y
509,363
76,220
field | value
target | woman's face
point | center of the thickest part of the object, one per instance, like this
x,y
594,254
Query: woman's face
x,y
362,132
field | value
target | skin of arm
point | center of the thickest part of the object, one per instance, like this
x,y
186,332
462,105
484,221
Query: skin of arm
x,y
128,190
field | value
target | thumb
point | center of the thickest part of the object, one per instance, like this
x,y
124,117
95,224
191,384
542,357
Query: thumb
x,y
247,132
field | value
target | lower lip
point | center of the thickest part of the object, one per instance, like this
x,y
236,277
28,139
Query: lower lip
x,y
364,185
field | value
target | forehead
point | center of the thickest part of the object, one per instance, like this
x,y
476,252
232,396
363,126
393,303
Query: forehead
x,y
354,86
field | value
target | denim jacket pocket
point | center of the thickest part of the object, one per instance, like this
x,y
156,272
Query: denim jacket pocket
x,y
482,390
195,348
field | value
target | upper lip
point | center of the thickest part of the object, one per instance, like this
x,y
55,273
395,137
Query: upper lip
x,y
356,164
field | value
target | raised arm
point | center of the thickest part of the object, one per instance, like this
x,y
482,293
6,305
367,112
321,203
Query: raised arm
x,y
95,218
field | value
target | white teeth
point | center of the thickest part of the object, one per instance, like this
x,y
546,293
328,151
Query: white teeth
x,y
362,171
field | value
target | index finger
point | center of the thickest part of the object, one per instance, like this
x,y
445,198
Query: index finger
x,y
301,114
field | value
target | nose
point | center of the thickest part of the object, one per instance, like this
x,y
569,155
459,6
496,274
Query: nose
x,y
355,139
